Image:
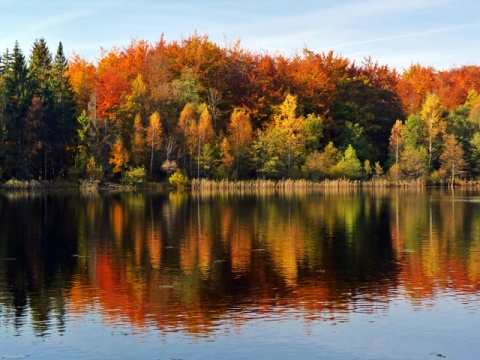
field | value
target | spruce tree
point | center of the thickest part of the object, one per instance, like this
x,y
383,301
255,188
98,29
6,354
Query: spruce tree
x,y
40,65
64,121
19,95
5,62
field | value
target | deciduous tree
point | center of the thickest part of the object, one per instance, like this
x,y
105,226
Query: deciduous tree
x,y
432,115
452,159
413,163
396,140
139,142
349,165
119,157
240,139
154,136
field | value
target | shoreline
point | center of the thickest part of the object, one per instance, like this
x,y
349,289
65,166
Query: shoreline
x,y
226,185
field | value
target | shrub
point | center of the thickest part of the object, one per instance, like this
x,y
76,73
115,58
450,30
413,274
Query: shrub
x,y
179,179
394,173
135,176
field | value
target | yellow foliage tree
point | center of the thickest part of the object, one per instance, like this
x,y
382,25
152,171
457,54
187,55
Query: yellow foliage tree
x,y
225,151
239,134
435,125
188,127
119,157
205,133
396,139
138,142
154,136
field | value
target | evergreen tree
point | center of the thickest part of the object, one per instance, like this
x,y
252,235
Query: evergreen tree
x,y
63,123
5,62
19,95
40,65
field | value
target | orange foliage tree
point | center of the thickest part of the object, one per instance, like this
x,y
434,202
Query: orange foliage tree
x,y
414,86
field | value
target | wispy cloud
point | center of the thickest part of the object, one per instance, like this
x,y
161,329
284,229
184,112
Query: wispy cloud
x,y
402,36
30,25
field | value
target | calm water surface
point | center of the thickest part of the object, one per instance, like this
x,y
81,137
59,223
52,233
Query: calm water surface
x,y
326,275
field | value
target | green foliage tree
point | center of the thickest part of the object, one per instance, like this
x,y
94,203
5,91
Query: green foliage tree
x,y
330,157
349,165
461,127
88,147
414,131
206,160
369,100
475,153
268,152
312,132
474,114
353,134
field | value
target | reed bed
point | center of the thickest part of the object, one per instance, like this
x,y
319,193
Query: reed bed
x,y
301,184
466,183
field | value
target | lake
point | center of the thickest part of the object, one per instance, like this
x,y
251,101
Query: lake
x,y
372,274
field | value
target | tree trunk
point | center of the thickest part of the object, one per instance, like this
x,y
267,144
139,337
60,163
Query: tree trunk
x,y
151,155
453,175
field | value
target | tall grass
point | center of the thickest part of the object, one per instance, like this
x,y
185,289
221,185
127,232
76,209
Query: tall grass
x,y
301,184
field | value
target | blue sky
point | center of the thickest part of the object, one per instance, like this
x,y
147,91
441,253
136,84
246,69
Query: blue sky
x,y
441,33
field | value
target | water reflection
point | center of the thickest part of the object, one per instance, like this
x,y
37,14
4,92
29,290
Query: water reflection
x,y
189,262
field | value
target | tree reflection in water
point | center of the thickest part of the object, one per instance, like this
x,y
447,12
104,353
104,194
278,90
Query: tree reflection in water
x,y
191,261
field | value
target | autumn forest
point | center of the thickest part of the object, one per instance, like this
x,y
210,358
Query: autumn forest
x,y
195,109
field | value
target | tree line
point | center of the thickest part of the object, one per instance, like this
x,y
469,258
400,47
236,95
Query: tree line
x,y
195,108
